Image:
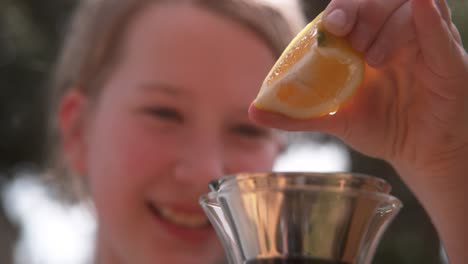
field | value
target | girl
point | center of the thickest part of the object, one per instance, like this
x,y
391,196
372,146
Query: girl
x,y
152,99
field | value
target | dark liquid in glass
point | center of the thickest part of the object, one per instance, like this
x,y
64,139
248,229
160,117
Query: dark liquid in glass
x,y
294,260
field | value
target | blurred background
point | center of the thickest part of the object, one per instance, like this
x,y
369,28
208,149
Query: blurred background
x,y
35,229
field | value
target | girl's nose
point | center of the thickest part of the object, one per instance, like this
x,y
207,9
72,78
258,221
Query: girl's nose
x,y
200,162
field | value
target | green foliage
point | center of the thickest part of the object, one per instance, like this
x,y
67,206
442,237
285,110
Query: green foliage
x,y
459,10
29,34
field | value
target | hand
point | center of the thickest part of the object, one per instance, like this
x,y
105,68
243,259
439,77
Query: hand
x,y
412,108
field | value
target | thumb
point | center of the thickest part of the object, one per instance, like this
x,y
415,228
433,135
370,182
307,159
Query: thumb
x,y
439,47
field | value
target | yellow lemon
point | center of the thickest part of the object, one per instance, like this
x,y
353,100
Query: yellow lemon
x,y
316,74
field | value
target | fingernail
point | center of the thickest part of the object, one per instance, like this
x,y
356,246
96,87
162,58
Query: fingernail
x,y
375,56
336,21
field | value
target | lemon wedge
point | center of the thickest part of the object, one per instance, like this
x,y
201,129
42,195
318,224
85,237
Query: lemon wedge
x,y
313,77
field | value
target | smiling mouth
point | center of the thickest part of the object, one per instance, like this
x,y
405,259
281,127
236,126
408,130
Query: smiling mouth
x,y
181,219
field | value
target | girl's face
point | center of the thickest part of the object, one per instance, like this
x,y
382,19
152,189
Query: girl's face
x,y
171,117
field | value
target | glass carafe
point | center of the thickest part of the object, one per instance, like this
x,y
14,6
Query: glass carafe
x,y
313,218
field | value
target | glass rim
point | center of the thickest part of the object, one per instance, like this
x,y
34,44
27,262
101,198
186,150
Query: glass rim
x,y
211,197
350,180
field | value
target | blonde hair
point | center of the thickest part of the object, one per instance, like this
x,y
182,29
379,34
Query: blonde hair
x,y
91,50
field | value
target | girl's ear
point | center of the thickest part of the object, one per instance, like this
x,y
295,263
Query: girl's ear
x,y
71,116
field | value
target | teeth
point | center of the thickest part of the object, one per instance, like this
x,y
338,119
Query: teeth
x,y
183,219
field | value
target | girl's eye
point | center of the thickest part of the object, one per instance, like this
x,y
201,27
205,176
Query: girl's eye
x,y
250,131
165,113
